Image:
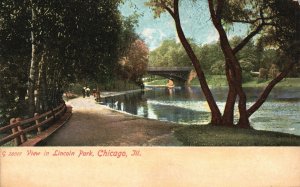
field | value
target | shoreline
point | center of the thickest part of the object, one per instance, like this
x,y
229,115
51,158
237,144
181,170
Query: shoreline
x,y
106,94
100,125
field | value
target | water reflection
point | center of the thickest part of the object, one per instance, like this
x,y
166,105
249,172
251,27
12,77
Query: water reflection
x,y
188,106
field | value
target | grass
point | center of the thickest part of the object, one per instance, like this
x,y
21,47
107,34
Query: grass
x,y
118,85
158,82
212,80
287,82
220,81
207,135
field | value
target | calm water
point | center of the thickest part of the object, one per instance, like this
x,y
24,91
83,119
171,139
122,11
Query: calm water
x,y
281,112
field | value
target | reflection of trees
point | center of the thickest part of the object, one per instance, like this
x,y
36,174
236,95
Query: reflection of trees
x,y
178,114
169,91
159,105
144,104
129,103
190,93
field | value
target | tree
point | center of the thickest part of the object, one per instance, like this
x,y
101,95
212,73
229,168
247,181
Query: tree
x,y
264,14
209,55
127,34
14,57
172,7
135,63
169,53
260,15
46,45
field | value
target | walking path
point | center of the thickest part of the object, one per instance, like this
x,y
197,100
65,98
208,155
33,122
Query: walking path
x,y
93,124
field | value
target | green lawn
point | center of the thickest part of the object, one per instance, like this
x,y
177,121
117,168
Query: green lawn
x,y
159,82
213,80
220,81
207,135
287,82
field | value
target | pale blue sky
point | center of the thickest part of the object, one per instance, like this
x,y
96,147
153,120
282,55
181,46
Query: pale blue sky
x,y
195,22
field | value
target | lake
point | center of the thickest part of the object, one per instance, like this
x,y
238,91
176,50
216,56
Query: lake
x,y
188,106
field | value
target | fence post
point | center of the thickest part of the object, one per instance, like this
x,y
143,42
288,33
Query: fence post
x,y
53,114
20,128
37,122
15,130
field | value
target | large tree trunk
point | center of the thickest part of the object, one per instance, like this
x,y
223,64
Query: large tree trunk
x,y
232,62
236,80
40,83
216,116
21,102
33,65
228,117
44,88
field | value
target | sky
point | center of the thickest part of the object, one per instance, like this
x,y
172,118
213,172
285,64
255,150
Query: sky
x,y
195,19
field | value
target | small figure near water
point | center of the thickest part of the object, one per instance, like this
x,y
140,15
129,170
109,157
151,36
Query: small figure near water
x,y
142,86
98,96
94,92
83,92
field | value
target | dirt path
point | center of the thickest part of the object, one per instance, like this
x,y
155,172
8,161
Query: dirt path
x,y
93,124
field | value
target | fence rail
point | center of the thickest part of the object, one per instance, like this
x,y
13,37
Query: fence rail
x,y
20,128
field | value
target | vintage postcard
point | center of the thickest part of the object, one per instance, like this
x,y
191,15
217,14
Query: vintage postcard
x,y
149,93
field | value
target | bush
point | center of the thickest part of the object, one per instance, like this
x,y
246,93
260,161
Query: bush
x,y
247,77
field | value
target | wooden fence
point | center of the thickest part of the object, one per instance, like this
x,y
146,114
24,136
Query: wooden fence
x,y
20,128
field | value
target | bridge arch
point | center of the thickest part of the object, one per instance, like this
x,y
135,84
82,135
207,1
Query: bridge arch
x,y
179,74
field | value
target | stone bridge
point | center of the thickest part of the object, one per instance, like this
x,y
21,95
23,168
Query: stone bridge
x,y
179,74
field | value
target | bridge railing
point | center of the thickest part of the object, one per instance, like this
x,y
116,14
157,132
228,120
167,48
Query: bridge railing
x,y
20,128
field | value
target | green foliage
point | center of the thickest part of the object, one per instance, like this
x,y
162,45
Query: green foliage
x,y
133,66
284,32
211,56
280,20
170,53
218,68
158,6
127,34
75,41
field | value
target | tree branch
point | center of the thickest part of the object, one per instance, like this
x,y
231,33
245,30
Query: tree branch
x,y
176,9
219,9
171,12
252,34
253,20
268,89
248,38
212,12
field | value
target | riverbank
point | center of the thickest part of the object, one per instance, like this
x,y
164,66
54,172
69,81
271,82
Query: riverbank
x,y
93,124
106,94
221,81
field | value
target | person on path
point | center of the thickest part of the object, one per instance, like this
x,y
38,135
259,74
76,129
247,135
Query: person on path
x,y
88,92
94,92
